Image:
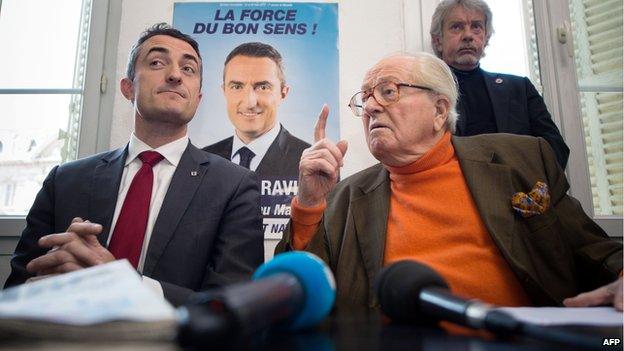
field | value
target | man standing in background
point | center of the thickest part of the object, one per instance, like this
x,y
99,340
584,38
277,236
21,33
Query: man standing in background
x,y
488,102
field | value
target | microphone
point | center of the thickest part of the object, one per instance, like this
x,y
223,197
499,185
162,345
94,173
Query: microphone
x,y
294,290
411,292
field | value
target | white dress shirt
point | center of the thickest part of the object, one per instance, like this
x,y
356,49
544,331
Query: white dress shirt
x,y
163,173
259,146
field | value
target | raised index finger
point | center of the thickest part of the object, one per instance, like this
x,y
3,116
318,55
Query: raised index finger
x,y
319,128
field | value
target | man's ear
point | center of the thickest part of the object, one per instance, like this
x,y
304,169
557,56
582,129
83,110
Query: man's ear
x,y
443,108
285,90
127,89
436,42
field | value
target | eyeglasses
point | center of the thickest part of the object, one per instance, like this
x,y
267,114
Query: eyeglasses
x,y
386,93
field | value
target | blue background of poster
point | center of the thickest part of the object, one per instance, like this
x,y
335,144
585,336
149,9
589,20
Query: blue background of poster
x,y
310,64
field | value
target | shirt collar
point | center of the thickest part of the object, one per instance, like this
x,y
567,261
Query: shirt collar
x,y
258,146
172,152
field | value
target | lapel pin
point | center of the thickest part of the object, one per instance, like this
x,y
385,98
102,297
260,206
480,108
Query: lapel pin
x,y
193,173
498,80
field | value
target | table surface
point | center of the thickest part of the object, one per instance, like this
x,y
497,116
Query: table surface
x,y
353,329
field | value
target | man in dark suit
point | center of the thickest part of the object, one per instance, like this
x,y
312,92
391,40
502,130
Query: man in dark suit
x,y
185,219
254,86
488,102
490,213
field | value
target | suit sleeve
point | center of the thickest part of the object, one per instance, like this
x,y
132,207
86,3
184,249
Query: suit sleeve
x,y
597,258
542,124
239,245
39,222
318,244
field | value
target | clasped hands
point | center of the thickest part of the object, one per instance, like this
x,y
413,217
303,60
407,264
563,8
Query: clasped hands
x,y
76,248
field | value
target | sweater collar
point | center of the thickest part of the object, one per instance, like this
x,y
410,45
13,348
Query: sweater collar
x,y
442,152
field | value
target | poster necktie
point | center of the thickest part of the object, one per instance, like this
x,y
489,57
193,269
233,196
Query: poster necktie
x,y
245,156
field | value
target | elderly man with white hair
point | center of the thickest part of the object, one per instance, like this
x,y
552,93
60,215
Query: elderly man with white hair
x,y
489,213
489,102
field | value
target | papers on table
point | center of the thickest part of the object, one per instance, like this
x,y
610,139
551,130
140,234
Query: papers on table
x,y
585,316
104,293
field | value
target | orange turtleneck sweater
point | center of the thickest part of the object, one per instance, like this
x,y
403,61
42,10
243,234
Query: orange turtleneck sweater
x,y
433,219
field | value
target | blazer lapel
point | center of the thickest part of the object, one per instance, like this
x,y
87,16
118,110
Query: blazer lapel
x,y
487,180
104,191
499,98
186,179
371,229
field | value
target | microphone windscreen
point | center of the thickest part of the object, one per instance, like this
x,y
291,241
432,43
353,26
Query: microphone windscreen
x,y
399,285
317,282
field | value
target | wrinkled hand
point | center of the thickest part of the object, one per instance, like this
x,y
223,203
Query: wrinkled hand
x,y
74,249
610,294
319,168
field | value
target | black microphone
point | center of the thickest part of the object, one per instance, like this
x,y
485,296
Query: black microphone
x,y
293,291
411,292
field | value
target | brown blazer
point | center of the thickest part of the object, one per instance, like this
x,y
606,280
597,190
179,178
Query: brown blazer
x,y
554,255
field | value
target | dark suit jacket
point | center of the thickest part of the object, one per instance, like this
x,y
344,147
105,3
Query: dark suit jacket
x,y
208,232
281,159
519,109
554,255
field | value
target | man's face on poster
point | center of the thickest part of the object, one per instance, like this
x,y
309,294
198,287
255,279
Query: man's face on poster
x,y
253,91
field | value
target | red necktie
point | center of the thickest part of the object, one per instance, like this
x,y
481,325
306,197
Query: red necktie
x,y
129,232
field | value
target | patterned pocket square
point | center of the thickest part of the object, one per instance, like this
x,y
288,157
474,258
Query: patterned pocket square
x,y
537,201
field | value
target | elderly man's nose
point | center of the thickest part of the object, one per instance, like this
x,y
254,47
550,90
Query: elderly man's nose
x,y
372,106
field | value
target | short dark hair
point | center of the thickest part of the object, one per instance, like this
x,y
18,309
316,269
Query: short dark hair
x,y
160,29
257,49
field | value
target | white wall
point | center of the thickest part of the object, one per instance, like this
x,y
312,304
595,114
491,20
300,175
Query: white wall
x,y
369,30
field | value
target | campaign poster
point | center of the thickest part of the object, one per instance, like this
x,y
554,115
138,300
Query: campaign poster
x,y
249,94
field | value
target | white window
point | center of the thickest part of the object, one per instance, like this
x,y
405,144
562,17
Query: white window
x,y
597,38
42,71
513,47
55,106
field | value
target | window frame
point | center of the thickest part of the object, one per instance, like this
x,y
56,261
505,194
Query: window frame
x,y
561,93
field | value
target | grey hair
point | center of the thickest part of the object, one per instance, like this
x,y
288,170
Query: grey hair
x,y
432,72
446,6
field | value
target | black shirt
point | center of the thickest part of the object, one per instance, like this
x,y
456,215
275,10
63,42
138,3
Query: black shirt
x,y
475,106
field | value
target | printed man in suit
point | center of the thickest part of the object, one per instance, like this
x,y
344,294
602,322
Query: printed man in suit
x,y
254,86
185,219
488,102
490,212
